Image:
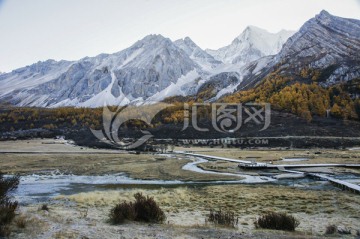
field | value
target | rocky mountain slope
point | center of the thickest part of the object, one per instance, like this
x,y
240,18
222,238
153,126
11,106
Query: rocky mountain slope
x,y
134,74
326,49
201,57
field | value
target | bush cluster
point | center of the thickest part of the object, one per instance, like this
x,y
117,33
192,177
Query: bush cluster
x,y
277,221
331,229
223,218
144,209
7,207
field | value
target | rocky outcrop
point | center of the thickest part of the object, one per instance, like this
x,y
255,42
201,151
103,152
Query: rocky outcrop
x,y
324,42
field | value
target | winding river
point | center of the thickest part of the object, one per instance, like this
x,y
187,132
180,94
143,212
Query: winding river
x,y
40,188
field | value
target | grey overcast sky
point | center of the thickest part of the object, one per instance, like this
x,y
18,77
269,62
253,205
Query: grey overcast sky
x,y
72,29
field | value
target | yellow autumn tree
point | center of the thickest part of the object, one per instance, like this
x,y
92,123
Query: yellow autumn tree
x,y
336,111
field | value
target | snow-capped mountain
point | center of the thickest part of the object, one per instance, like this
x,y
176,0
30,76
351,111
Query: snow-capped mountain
x,y
150,70
134,74
201,57
155,67
326,43
252,44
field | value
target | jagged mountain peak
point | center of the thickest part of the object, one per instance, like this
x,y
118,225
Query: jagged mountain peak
x,y
324,14
340,25
154,37
153,40
252,44
201,57
186,44
259,36
188,40
253,29
325,17
190,43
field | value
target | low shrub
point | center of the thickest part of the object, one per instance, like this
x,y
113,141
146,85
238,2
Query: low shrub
x,y
7,184
277,221
331,229
144,209
7,212
147,210
44,207
21,222
7,207
223,218
4,231
122,212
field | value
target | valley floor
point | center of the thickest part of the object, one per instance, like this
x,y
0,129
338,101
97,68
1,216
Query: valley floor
x,y
79,188
84,215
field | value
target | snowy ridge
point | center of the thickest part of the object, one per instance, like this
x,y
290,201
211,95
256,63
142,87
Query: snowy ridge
x,y
33,75
252,44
